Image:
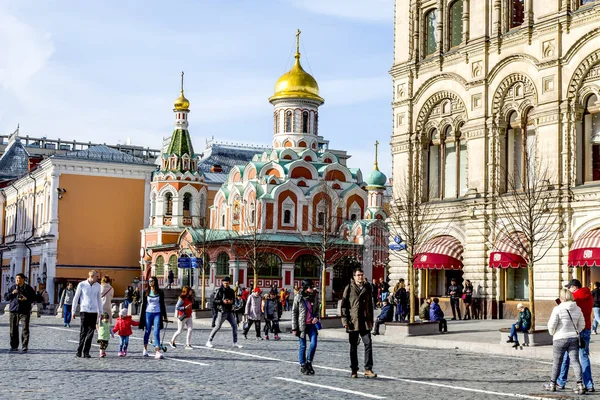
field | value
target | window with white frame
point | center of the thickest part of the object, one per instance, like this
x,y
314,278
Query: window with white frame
x,y
446,165
288,208
430,32
168,204
519,153
288,121
354,212
590,140
456,23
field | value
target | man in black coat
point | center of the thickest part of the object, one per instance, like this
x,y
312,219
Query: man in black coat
x,y
223,302
20,296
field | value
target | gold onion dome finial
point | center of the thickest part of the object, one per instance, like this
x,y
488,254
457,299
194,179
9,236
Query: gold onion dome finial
x,y
182,103
297,83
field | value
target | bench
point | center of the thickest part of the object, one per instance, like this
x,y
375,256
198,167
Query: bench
x,y
539,337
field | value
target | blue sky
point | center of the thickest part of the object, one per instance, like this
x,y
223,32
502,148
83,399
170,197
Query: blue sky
x,y
105,71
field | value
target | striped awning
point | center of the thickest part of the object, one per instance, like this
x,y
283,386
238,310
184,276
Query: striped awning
x,y
442,252
585,251
510,251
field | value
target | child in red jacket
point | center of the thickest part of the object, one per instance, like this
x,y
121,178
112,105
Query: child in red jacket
x,y
123,327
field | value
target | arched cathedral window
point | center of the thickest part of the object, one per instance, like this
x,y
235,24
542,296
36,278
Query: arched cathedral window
x,y
187,200
305,122
288,121
168,204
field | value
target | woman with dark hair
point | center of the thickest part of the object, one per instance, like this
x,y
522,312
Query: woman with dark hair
x,y
468,298
184,316
107,293
596,307
305,312
153,307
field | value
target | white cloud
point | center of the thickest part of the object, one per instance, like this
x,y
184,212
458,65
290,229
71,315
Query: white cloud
x,y
365,10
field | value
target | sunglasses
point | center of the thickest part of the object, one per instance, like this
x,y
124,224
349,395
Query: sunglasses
x,y
151,281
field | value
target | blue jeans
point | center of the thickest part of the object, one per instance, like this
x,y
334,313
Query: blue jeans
x,y
67,308
311,332
584,360
596,318
514,330
152,319
123,343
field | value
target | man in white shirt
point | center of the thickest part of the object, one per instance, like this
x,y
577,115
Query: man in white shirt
x,y
88,292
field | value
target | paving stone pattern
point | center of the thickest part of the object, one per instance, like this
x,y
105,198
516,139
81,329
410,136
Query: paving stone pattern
x,y
261,370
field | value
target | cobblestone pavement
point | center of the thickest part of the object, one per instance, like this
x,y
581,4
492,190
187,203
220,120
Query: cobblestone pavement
x,y
261,370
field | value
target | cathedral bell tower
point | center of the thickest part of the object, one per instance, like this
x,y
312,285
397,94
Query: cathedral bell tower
x,y
296,104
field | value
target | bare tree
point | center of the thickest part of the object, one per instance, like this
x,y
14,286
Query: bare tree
x,y
527,214
327,241
412,220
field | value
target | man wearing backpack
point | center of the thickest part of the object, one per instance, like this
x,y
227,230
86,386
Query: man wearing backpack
x,y
223,301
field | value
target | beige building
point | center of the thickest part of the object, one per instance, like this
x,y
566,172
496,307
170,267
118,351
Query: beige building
x,y
475,83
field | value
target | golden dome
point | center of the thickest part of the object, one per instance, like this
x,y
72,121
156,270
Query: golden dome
x,y
297,83
182,103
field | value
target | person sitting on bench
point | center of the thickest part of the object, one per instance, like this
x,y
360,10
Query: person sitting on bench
x,y
437,315
523,324
386,315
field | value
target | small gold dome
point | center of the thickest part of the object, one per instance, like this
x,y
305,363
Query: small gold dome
x,y
297,84
182,103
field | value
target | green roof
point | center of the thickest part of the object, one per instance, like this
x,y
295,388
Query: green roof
x,y
181,143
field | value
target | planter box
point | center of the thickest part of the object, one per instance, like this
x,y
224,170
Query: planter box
x,y
198,314
331,322
539,337
408,329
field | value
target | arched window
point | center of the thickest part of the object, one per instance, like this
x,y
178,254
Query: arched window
x,y
434,173
187,200
288,121
584,2
222,264
307,266
450,165
168,204
517,13
513,157
461,145
430,32
269,265
173,264
590,139
456,23
287,217
277,122
320,219
159,266
305,122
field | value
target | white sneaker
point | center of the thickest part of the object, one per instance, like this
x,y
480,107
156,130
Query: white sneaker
x,y
188,347
209,344
145,353
239,346
158,355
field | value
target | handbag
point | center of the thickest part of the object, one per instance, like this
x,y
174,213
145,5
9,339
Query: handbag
x,y
318,325
581,341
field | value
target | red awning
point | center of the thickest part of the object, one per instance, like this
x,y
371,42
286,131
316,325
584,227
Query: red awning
x,y
442,252
510,251
585,251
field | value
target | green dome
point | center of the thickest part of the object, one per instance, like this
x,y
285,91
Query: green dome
x,y
376,178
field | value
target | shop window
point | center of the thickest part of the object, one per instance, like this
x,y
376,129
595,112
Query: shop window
x,y
517,13
517,284
439,280
430,32
456,23
222,268
159,266
307,266
269,265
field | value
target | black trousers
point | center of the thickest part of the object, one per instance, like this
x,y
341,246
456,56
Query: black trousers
x,y
443,325
15,318
88,327
353,338
256,323
455,304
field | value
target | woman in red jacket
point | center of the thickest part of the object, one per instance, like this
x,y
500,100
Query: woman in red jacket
x,y
184,316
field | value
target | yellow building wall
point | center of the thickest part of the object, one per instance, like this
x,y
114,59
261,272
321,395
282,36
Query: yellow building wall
x,y
100,219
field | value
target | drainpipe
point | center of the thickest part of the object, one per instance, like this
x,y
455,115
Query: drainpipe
x,y
2,246
32,229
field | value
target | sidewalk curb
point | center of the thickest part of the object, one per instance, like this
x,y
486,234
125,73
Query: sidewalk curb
x,y
536,352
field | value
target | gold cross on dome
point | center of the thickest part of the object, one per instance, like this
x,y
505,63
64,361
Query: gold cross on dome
x,y
182,73
298,40
376,151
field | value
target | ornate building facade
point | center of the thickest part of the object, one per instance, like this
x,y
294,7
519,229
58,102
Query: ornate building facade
x,y
475,84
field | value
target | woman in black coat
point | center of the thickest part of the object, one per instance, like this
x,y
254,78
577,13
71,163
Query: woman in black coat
x,y
153,308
